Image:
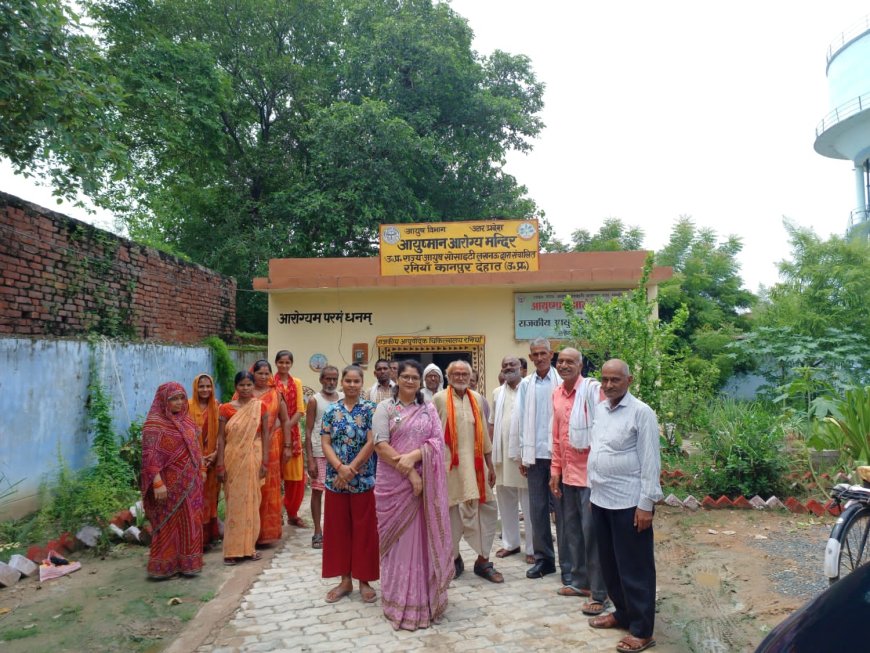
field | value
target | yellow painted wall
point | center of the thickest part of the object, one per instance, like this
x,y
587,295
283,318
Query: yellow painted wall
x,y
486,311
418,311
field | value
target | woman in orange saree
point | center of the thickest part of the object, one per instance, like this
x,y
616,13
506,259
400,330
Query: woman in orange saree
x,y
172,485
204,409
292,459
276,411
242,460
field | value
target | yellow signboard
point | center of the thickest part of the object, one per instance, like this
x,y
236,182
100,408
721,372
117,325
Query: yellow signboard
x,y
459,247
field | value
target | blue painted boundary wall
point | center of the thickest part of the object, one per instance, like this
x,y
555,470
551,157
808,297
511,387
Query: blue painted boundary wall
x,y
43,395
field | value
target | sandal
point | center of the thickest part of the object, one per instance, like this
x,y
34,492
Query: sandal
x,y
257,556
594,608
488,572
632,644
604,621
230,562
337,593
530,559
317,541
570,590
296,521
504,553
368,594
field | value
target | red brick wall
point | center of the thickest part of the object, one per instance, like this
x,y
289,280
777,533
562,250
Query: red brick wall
x,y
60,276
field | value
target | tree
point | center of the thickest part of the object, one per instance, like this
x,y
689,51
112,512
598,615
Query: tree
x,y
612,236
825,285
707,282
58,102
260,129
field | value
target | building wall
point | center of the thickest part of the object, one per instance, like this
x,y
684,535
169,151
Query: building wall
x,y
60,276
43,401
467,311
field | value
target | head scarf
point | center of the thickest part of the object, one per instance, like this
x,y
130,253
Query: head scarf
x,y
432,367
207,419
159,423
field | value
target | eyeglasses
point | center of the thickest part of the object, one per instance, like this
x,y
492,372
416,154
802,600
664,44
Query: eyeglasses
x,y
410,379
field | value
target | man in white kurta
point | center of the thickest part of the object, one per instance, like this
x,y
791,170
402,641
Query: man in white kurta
x,y
511,488
473,509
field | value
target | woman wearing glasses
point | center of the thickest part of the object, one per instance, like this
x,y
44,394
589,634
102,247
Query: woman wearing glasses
x,y
411,501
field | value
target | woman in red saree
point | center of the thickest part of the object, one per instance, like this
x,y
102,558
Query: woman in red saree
x,y
411,502
271,522
204,411
292,460
242,461
171,483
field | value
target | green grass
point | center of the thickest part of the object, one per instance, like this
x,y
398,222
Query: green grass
x,y
17,633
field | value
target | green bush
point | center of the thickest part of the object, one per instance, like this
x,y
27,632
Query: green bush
x,y
224,367
742,453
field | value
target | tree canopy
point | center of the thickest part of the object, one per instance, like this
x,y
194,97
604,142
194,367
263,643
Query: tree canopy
x,y
234,131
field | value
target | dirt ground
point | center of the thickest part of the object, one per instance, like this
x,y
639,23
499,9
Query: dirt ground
x,y
724,579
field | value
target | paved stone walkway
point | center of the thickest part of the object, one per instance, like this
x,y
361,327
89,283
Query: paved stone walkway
x,y
285,610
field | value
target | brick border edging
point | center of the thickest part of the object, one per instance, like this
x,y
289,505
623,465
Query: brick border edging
x,y
812,506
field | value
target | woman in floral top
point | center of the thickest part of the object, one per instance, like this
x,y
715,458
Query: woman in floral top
x,y
350,529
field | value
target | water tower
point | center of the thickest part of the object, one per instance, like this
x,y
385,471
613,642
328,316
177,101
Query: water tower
x,y
845,132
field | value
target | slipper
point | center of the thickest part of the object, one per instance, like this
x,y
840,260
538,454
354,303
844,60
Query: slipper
x,y
369,596
296,521
594,608
570,590
257,556
230,562
317,541
488,572
504,553
337,594
530,559
604,621
632,644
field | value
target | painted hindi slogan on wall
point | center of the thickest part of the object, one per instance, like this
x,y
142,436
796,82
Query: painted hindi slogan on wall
x,y
542,314
459,247
323,318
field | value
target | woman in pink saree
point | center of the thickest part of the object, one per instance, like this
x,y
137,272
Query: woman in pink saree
x,y
411,499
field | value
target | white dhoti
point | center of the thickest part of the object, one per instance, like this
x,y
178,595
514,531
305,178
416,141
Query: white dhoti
x,y
476,522
509,501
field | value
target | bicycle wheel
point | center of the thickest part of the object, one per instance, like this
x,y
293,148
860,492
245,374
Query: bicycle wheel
x,y
849,546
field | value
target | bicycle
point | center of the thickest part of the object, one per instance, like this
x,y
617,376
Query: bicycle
x,y
847,546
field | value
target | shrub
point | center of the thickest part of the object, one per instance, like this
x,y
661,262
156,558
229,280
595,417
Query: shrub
x,y
743,451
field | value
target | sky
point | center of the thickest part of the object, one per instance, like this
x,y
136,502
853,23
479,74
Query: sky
x,y
655,110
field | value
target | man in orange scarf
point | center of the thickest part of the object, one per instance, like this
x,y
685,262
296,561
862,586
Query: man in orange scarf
x,y
471,475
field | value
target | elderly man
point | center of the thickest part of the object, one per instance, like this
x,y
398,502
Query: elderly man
x,y
470,476
624,467
383,386
511,488
533,430
574,401
433,381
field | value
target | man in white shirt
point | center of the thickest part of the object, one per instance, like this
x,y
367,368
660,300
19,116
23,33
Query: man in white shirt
x,y
624,467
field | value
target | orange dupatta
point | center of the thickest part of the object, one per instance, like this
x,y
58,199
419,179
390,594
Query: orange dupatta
x,y
450,436
207,421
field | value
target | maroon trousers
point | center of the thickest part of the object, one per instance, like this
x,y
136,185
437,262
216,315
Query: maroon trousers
x,y
350,536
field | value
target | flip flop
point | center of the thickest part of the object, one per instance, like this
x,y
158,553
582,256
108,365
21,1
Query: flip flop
x,y
570,590
632,644
337,594
368,595
530,559
317,541
257,556
230,562
604,621
504,553
593,608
